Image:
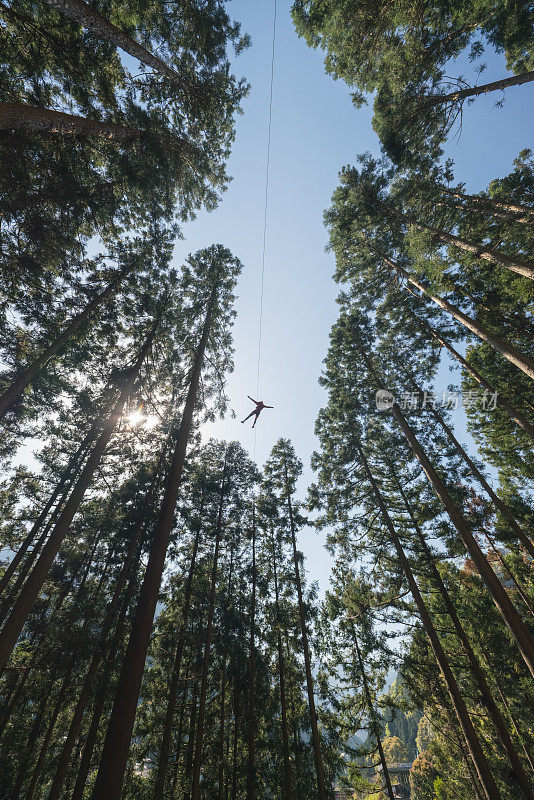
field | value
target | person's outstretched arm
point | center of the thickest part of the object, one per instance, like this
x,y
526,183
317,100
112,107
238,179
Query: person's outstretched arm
x,y
251,398
269,406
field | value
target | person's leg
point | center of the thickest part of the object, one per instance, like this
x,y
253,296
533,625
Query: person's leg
x,y
257,415
249,416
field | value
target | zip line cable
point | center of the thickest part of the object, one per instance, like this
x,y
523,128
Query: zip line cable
x,y
267,172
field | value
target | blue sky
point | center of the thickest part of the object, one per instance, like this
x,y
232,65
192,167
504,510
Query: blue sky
x,y
315,130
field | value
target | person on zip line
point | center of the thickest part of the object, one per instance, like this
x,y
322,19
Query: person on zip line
x,y
260,405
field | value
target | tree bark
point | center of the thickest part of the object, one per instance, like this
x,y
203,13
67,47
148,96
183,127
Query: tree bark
x,y
503,508
36,367
64,483
475,91
508,350
251,732
513,264
36,119
32,740
518,772
507,609
159,786
60,702
108,785
288,789
197,763
513,208
32,587
318,758
471,738
85,692
372,713
222,754
503,402
89,18
101,694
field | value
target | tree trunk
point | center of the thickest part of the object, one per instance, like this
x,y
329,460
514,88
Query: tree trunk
x,y
197,763
36,367
508,350
513,264
159,787
518,773
526,751
90,19
37,577
251,731
235,742
21,117
503,508
471,738
177,756
513,208
507,609
60,702
191,742
85,693
495,550
64,484
475,91
288,789
503,402
372,713
222,755
32,740
101,694
108,785
306,650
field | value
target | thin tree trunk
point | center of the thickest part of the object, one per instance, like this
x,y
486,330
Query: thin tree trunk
x,y
188,772
251,732
488,701
526,751
8,398
197,763
159,787
372,713
21,552
306,650
90,19
481,251
32,740
513,207
471,738
85,693
454,202
508,350
21,117
475,91
235,742
108,785
37,577
288,789
508,611
222,754
503,508
503,402
60,701
183,704
59,704
100,700
495,550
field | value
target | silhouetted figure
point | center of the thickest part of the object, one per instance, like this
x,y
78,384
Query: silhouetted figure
x,y
260,405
